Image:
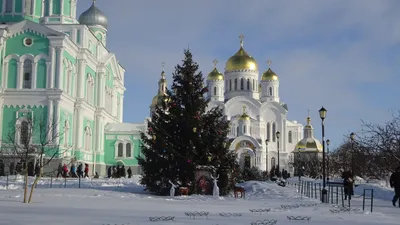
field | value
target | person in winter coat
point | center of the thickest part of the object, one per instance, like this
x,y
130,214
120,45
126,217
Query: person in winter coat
x,y
65,170
109,172
129,172
80,170
73,170
86,170
395,183
37,169
123,171
60,170
348,184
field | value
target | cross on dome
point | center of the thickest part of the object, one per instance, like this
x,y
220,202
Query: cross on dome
x,y
215,61
162,63
241,37
269,62
244,109
94,1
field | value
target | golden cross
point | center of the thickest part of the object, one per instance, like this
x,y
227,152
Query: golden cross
x,y
241,37
269,62
162,65
215,61
244,109
94,1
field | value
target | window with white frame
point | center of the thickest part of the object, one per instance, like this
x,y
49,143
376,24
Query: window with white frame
x,y
123,149
9,6
269,131
89,88
27,75
120,150
290,137
128,150
88,138
273,131
23,131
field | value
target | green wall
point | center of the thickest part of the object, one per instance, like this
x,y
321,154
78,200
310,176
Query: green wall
x,y
39,114
12,74
15,44
109,150
41,74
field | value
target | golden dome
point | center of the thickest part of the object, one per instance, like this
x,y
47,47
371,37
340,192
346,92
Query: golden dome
x,y
241,60
155,101
244,116
308,145
269,75
215,74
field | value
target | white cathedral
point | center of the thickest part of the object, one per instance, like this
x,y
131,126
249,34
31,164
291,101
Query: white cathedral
x,y
259,124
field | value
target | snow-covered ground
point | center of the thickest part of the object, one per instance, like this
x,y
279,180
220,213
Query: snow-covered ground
x,y
123,201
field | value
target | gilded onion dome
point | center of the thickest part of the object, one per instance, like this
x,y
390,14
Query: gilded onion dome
x,y
157,100
241,60
215,74
93,17
244,115
269,75
308,143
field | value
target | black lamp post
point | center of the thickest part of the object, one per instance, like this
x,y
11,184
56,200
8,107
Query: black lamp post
x,y
266,154
278,134
322,115
328,142
299,172
352,137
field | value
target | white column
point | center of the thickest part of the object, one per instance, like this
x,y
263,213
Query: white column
x,y
5,74
101,89
56,124
81,81
121,107
59,72
52,73
50,8
34,75
78,127
62,7
1,118
50,121
48,74
98,133
20,71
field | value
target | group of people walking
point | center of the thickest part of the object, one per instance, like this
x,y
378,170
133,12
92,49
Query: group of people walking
x,y
118,172
74,171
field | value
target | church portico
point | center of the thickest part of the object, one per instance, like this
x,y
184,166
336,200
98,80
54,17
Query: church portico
x,y
247,146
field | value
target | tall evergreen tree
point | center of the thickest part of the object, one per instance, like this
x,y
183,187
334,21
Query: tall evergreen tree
x,y
182,134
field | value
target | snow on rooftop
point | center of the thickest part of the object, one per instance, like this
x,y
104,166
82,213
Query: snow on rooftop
x,y
124,127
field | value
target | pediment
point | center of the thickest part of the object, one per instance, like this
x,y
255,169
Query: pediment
x,y
111,60
26,25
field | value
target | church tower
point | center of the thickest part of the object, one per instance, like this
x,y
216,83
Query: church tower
x,y
244,123
162,91
269,85
241,75
215,84
97,22
58,11
18,10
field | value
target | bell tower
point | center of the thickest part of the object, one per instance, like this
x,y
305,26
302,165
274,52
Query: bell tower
x,y
59,12
13,11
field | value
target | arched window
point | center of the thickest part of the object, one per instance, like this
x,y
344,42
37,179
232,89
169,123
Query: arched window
x,y
269,131
215,90
120,150
235,84
88,139
241,84
27,75
237,131
24,133
270,91
273,162
230,85
248,84
128,150
290,138
66,133
9,6
244,128
274,132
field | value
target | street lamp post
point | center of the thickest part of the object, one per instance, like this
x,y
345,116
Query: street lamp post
x,y
266,155
328,142
278,134
352,137
299,167
322,115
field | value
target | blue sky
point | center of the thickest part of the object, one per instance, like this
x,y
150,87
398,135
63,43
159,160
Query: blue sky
x,y
341,54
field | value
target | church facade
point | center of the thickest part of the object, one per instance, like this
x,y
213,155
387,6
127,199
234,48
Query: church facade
x,y
55,68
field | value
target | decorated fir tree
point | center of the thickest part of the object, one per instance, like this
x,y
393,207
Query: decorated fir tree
x,y
183,135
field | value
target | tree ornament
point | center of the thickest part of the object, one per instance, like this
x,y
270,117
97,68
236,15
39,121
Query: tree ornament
x,y
194,129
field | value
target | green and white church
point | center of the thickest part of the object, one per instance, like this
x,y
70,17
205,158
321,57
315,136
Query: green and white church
x,y
57,67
